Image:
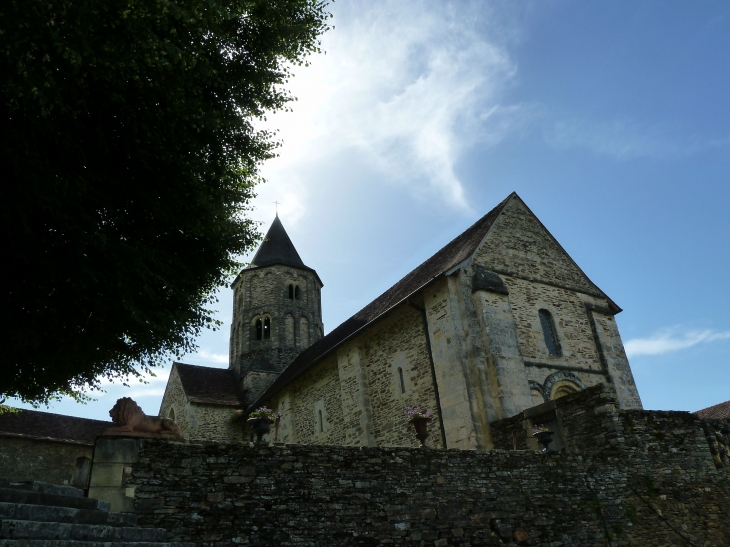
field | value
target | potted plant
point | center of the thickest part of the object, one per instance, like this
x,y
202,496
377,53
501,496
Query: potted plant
x,y
543,435
420,419
260,420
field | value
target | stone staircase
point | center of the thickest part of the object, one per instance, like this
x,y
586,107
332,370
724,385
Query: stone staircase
x,y
39,514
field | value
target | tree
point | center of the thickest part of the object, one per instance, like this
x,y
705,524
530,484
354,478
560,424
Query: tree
x,y
129,154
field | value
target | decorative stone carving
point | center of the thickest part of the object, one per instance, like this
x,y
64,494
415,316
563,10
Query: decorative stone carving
x,y
129,419
484,280
535,386
554,378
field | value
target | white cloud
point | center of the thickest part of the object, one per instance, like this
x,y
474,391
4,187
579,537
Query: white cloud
x,y
408,85
160,375
669,340
206,355
149,392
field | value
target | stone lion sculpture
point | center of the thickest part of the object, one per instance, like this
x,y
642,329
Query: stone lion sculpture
x,y
128,417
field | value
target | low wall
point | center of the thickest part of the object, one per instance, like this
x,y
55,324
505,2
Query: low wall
x,y
622,478
321,496
23,459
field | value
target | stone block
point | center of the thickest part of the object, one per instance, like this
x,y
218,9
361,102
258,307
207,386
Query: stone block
x,y
106,474
116,450
115,496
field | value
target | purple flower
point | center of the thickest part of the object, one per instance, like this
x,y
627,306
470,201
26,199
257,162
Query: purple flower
x,y
413,412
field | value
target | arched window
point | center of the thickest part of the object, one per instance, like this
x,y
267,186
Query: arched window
x,y
296,293
259,329
548,331
171,414
267,328
402,381
291,291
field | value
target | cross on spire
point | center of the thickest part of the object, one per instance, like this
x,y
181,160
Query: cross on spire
x,y
277,207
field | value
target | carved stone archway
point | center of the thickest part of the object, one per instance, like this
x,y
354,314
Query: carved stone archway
x,y
562,382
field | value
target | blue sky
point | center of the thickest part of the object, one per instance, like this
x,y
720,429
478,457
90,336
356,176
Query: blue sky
x,y
610,119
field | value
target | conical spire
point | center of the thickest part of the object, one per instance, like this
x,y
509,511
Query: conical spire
x,y
277,248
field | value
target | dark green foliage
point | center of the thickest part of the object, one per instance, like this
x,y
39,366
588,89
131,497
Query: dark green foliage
x,y
128,159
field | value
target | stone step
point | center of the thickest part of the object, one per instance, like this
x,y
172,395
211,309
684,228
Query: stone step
x,y
20,495
72,543
48,488
47,513
27,529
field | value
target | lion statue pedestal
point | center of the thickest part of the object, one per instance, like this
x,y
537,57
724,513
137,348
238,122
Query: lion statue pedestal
x,y
131,421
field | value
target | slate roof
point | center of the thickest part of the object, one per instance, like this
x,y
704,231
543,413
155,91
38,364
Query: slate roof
x,y
214,386
277,248
715,412
458,250
32,424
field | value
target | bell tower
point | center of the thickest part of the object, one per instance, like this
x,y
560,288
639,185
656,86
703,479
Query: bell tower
x,y
277,312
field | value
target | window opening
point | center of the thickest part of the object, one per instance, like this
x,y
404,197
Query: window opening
x,y
321,422
296,293
259,329
291,292
402,382
267,328
171,415
548,332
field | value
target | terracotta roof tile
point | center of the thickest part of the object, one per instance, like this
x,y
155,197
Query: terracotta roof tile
x,y
215,386
458,250
716,412
33,424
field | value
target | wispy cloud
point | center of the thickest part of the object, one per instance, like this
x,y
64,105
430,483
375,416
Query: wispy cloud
x,y
668,340
624,139
409,85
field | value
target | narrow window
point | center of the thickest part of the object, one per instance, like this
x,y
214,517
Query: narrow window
x,y
171,415
296,292
291,292
402,382
548,331
321,422
259,329
267,328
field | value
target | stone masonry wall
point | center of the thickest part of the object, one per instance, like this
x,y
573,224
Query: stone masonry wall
x,y
520,246
317,390
175,401
319,496
672,476
290,495
571,321
295,323
200,421
31,459
397,342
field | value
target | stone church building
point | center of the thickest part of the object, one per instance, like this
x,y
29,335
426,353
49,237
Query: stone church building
x,y
498,321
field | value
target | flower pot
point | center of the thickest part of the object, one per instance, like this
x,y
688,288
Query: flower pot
x,y
544,438
421,426
259,427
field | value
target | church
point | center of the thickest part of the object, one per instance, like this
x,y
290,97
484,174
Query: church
x,y
498,321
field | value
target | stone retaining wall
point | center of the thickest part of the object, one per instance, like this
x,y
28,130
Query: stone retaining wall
x,y
622,478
